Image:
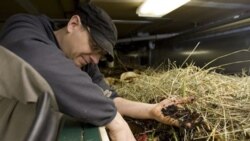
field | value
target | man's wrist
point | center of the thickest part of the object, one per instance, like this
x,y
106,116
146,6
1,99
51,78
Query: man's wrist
x,y
117,123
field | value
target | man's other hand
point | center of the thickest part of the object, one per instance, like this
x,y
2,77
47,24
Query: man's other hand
x,y
119,130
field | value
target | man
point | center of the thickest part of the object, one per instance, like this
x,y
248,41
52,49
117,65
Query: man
x,y
67,58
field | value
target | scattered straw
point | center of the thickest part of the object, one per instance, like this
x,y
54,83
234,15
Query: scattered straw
x,y
223,101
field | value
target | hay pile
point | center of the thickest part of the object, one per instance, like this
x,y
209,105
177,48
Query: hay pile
x,y
223,101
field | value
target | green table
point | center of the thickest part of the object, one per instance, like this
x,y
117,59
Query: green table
x,y
76,131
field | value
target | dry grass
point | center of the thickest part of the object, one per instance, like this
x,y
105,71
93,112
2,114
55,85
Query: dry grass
x,y
223,101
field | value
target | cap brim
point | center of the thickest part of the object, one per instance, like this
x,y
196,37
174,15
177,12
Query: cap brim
x,y
104,44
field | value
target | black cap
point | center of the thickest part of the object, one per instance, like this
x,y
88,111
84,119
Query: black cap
x,y
102,29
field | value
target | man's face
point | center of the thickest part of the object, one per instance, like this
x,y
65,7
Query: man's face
x,y
80,47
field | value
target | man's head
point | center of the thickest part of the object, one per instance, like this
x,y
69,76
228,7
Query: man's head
x,y
89,35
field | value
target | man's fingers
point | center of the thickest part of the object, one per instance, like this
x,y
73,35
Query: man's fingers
x,y
175,101
170,121
185,100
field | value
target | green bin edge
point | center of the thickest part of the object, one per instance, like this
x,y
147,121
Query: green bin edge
x,y
73,130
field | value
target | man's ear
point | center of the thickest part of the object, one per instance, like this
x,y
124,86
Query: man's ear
x,y
74,23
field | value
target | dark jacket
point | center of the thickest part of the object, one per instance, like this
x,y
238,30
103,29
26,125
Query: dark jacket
x,y
78,93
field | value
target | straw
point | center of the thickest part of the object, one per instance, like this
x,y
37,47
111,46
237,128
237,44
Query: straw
x,y
223,101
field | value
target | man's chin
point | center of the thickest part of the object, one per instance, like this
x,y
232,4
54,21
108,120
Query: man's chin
x,y
79,65
82,65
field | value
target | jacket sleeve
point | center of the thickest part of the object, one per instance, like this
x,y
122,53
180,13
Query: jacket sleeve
x,y
98,78
74,90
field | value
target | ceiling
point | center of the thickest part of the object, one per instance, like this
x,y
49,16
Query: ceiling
x,y
193,15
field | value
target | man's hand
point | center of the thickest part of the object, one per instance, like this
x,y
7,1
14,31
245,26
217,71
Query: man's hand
x,y
119,130
157,114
